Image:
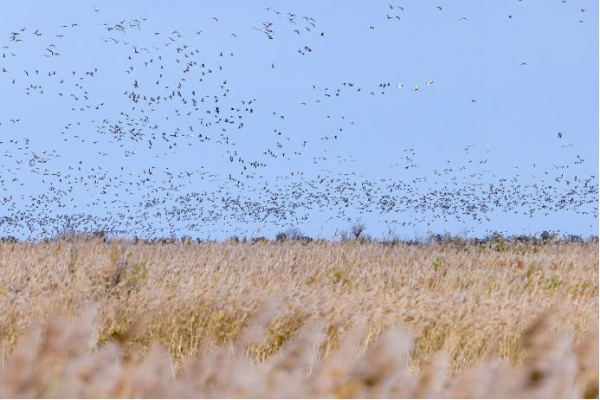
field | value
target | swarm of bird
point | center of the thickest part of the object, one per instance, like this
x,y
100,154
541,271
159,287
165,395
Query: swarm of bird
x,y
100,171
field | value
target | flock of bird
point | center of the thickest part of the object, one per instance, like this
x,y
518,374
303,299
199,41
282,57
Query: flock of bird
x,y
114,163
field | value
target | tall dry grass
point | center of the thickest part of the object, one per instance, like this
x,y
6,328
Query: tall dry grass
x,y
294,320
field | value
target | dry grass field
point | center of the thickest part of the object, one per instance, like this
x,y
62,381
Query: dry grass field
x,y
87,318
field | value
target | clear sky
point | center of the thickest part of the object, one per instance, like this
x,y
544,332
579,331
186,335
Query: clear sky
x,y
222,118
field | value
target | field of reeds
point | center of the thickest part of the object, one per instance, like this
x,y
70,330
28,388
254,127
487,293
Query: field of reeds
x,y
94,318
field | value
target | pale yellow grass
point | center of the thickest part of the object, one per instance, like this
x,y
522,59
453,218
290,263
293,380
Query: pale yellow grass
x,y
294,320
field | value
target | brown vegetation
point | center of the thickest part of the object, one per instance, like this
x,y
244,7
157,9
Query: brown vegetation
x,y
298,319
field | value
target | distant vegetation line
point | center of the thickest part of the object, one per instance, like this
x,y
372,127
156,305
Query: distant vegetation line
x,y
355,232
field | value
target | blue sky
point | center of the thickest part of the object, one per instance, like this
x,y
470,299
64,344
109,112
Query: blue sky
x,y
215,118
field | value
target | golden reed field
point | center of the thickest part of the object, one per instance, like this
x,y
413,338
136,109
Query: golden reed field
x,y
94,318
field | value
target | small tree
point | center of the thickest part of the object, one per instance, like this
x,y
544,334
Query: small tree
x,y
294,233
546,236
573,239
343,235
281,237
357,228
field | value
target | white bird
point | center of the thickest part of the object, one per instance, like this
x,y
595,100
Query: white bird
x,y
430,82
416,88
400,85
